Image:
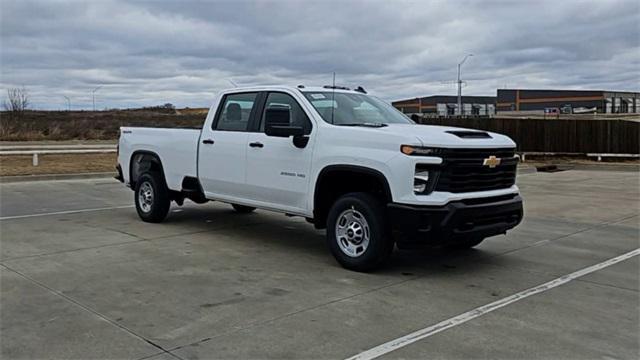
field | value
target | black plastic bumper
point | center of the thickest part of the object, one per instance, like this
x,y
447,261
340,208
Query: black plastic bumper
x,y
457,221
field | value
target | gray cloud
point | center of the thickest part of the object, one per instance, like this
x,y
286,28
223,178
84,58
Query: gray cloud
x,y
151,52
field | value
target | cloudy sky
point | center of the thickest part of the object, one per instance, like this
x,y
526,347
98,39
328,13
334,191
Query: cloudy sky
x,y
152,52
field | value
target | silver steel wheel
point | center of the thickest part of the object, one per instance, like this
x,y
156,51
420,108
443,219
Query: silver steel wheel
x,y
352,233
145,196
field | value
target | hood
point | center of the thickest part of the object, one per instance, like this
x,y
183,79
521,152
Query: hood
x,y
452,137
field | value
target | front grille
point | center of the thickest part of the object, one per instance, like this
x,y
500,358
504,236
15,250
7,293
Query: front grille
x,y
463,170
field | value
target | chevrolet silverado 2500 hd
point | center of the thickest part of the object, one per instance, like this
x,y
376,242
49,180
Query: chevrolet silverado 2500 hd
x,y
344,160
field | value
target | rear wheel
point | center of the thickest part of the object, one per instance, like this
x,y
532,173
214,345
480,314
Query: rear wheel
x,y
152,197
243,209
357,232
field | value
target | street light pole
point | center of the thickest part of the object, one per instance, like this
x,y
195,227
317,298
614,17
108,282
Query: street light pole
x,y
68,102
94,96
460,110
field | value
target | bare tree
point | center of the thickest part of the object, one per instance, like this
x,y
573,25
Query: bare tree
x,y
18,100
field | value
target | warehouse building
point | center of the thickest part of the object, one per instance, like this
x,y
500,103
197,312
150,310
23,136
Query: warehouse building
x,y
445,105
569,101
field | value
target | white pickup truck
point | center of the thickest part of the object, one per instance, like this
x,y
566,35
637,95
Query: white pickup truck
x,y
346,161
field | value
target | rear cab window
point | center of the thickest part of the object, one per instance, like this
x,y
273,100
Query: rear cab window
x,y
235,113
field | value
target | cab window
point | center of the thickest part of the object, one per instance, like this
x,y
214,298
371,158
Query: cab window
x,y
236,111
298,116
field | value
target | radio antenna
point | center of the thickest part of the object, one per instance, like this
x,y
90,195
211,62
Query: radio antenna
x,y
232,82
333,95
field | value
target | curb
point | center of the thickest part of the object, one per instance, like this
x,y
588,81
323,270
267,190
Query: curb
x,y
606,167
45,177
585,167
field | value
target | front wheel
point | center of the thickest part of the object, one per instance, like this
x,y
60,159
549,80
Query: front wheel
x,y
357,232
152,197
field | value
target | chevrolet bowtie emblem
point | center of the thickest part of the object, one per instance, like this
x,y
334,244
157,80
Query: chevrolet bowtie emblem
x,y
491,161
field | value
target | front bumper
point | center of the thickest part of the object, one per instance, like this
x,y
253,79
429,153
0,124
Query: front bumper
x,y
417,226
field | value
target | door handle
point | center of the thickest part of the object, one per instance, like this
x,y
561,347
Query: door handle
x,y
207,141
256,144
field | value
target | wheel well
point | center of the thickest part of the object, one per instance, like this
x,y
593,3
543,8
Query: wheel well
x,y
142,161
337,180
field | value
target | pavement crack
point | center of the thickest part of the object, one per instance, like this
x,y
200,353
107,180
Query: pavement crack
x,y
485,259
548,241
129,234
69,251
160,353
138,240
87,309
608,285
293,313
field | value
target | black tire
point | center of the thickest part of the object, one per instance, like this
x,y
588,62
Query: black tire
x,y
380,245
157,208
466,244
243,209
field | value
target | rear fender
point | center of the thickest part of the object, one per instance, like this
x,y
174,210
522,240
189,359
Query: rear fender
x,y
143,161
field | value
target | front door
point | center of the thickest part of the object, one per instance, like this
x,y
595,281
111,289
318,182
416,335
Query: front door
x,y
223,148
277,170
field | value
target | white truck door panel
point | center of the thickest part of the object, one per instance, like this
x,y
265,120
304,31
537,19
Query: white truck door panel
x,y
221,164
223,148
277,170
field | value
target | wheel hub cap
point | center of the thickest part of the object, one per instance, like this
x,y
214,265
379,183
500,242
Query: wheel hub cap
x,y
352,233
145,196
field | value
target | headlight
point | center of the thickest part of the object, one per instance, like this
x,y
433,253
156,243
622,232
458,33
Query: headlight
x,y
422,181
419,150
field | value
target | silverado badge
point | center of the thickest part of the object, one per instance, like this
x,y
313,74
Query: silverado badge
x,y
491,161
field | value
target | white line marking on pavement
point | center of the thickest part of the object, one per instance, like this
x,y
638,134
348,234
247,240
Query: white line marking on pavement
x,y
64,212
477,312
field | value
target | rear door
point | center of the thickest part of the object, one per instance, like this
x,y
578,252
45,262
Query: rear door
x,y
277,170
223,148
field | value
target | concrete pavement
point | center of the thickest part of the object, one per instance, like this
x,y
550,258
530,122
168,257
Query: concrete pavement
x,y
83,277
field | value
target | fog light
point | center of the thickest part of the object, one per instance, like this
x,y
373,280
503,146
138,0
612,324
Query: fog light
x,y
422,175
420,180
419,188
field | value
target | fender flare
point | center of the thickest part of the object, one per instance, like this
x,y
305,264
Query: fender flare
x,y
155,159
327,170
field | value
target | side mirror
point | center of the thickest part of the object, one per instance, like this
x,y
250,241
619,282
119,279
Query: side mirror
x,y
277,122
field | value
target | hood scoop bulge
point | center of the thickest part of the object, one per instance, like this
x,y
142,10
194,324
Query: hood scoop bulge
x,y
466,134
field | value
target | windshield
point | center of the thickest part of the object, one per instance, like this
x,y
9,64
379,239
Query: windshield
x,y
354,109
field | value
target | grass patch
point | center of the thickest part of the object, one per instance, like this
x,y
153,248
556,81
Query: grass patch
x,y
57,164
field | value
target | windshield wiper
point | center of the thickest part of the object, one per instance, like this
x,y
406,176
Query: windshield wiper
x,y
374,125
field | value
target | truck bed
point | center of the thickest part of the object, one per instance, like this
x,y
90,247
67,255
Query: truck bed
x,y
176,148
